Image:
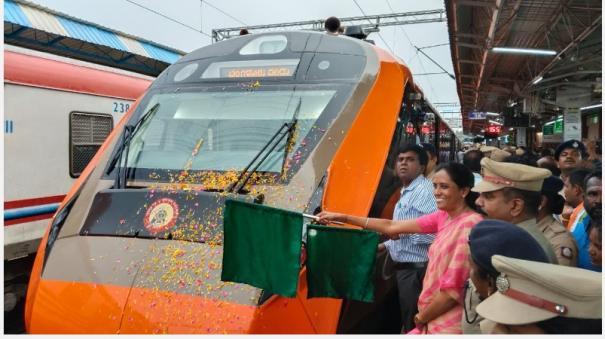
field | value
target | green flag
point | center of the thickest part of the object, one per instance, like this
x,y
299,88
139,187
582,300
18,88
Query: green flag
x,y
340,262
262,247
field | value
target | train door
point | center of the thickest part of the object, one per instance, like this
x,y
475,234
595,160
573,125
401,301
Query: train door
x,y
383,315
403,135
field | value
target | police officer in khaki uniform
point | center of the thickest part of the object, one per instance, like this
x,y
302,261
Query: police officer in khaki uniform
x,y
488,238
569,156
499,155
563,242
511,192
487,150
540,298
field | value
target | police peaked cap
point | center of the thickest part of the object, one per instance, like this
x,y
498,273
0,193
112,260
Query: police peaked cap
x,y
575,144
495,237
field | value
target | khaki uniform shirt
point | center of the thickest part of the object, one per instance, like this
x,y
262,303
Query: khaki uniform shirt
x,y
562,241
531,227
471,300
490,327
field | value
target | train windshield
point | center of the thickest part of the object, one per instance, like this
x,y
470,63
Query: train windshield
x,y
222,129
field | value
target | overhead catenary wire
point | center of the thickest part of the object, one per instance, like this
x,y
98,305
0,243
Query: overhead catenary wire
x,y
402,30
379,35
435,62
428,79
430,73
432,46
225,13
417,50
169,18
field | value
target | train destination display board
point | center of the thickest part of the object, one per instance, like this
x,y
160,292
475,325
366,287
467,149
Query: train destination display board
x,y
257,71
237,69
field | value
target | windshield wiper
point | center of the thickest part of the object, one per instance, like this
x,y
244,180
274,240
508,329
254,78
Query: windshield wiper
x,y
291,131
127,135
290,127
125,141
232,186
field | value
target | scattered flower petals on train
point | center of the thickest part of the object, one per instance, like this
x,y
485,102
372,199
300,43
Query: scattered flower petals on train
x,y
165,271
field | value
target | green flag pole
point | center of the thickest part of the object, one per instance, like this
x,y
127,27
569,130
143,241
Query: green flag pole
x,y
314,217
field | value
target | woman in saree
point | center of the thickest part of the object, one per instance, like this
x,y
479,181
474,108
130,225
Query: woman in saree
x,y
440,303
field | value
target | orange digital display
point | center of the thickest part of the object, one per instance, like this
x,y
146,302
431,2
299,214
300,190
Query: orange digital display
x,y
257,72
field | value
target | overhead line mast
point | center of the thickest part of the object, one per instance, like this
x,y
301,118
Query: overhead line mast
x,y
370,23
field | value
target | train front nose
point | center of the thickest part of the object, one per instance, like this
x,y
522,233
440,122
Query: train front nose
x,y
144,261
84,286
177,289
139,286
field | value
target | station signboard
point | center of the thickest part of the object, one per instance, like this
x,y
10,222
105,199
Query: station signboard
x,y
552,131
558,129
572,125
477,115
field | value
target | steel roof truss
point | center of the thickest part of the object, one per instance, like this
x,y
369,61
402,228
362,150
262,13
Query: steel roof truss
x,y
475,3
368,22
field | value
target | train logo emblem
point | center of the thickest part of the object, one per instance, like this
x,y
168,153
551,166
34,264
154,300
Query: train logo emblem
x,y
161,215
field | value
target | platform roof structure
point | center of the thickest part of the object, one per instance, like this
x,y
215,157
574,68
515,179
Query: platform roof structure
x,y
29,25
540,85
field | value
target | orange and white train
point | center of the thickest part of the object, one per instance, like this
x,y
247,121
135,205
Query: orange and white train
x,y
297,120
57,113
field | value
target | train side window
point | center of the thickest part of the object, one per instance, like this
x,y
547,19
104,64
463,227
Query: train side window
x,y
87,132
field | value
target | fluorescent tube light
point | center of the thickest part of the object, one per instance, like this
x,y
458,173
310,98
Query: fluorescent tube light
x,y
537,80
589,107
532,51
495,122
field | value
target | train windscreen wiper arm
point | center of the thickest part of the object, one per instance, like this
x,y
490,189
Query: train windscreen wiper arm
x,y
245,170
127,135
291,130
291,126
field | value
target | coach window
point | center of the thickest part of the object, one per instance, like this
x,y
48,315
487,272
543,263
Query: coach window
x,y
87,132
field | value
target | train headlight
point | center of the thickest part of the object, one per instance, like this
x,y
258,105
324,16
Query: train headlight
x,y
269,44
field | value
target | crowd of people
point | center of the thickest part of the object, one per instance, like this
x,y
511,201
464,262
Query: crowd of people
x,y
502,241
